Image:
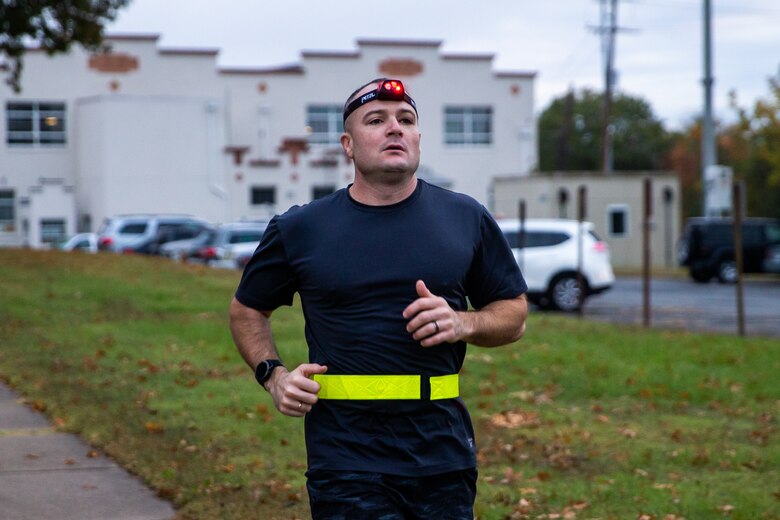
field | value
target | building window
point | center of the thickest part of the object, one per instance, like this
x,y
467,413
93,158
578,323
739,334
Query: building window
x,y
317,192
617,220
52,231
263,195
468,125
563,203
7,215
325,122
35,123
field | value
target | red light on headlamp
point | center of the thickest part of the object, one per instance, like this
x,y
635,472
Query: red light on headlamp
x,y
388,90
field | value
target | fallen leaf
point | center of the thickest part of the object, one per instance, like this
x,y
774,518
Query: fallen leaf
x,y
512,419
727,508
153,427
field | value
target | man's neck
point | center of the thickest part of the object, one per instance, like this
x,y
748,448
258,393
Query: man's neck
x,y
381,194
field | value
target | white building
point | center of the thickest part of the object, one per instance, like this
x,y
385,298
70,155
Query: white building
x,y
614,203
146,129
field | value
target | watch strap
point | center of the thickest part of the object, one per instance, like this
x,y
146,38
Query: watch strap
x,y
264,370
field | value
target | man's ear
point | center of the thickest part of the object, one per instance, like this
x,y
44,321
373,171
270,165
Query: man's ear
x,y
346,144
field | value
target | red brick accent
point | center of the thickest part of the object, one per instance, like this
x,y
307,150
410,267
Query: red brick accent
x,y
238,153
400,67
264,163
115,63
294,146
325,162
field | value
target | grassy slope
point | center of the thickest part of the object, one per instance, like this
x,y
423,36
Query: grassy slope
x,y
580,420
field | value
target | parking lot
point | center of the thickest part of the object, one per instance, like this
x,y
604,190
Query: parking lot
x,y
679,303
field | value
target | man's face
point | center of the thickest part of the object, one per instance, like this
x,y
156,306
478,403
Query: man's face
x,y
382,137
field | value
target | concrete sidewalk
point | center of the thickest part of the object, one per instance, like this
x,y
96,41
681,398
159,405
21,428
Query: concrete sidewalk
x,y
45,474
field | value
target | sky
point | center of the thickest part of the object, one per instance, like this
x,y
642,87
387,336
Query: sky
x,y
658,57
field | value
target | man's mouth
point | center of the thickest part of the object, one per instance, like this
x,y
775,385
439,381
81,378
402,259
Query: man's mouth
x,y
395,147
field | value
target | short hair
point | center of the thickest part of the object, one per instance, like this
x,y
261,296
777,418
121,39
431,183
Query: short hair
x,y
357,90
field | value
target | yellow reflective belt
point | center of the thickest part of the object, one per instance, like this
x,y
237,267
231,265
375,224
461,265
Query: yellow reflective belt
x,y
444,387
366,387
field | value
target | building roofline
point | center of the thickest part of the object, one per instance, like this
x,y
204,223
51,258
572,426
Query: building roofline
x,y
184,51
284,69
132,36
468,56
330,54
381,42
516,74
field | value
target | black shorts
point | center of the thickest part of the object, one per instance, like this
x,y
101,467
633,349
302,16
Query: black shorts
x,y
357,495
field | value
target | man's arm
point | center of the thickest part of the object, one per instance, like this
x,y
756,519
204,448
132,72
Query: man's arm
x,y
293,392
432,321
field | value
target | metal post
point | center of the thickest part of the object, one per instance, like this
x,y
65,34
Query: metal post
x,y
521,234
707,136
581,215
736,205
646,261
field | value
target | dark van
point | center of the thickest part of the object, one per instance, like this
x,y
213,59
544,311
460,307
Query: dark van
x,y
707,247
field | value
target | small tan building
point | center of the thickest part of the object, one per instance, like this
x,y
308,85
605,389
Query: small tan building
x,y
613,203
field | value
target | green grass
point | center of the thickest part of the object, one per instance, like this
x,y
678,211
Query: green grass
x,y
578,420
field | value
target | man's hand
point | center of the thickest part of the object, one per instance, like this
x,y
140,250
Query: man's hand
x,y
431,319
294,393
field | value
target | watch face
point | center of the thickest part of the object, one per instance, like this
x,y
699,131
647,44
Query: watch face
x,y
265,368
262,371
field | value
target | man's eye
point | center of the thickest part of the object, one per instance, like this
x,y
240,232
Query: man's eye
x,y
407,121
375,121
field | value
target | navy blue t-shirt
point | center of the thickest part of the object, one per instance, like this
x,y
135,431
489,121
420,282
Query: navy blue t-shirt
x,y
355,268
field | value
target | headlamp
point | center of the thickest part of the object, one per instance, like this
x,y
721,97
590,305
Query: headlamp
x,y
388,90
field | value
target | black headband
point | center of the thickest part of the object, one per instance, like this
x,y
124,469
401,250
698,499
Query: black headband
x,y
388,90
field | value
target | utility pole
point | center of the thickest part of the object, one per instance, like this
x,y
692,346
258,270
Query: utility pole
x,y
707,135
609,83
608,29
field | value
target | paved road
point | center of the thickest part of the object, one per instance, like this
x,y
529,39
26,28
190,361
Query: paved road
x,y
683,304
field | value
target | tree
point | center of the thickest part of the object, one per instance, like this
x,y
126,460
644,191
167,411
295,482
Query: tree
x,y
570,133
53,25
684,158
751,146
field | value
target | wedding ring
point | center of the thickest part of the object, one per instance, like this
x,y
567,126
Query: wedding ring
x,y
436,325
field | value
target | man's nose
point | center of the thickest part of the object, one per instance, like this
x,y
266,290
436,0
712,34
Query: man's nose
x,y
394,126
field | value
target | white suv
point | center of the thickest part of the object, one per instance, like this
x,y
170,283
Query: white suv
x,y
144,233
546,251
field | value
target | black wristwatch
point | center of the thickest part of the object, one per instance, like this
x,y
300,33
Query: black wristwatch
x,y
265,369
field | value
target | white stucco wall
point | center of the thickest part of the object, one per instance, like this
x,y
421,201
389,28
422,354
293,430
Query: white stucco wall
x,y
172,132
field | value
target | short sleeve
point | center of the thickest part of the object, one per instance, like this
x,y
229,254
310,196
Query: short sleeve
x,y
494,274
268,281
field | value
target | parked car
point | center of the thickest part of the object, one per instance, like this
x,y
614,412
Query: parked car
x,y
146,233
81,242
772,260
707,247
547,251
229,239
182,249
